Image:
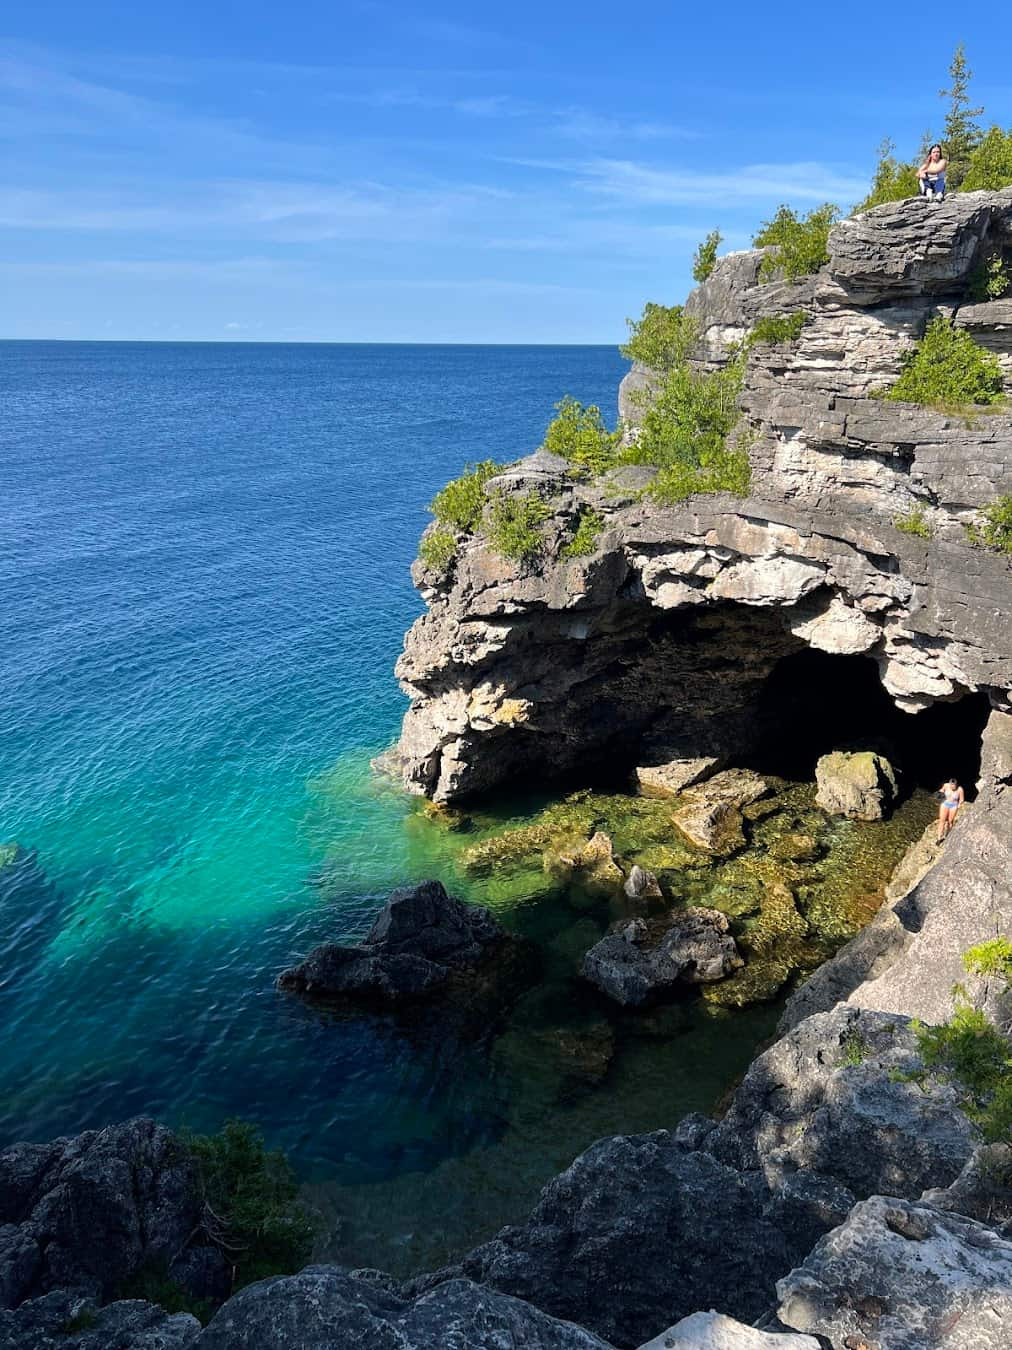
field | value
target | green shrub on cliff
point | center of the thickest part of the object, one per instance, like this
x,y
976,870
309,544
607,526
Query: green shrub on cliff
x,y
250,1206
778,328
893,180
801,243
662,338
513,524
994,529
438,548
459,505
915,522
969,1050
589,525
705,258
990,280
685,433
948,369
579,434
990,164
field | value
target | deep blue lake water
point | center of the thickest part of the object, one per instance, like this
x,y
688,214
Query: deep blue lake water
x,y
203,589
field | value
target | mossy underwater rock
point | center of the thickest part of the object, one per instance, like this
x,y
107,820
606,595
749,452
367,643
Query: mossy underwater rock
x,y
858,784
709,815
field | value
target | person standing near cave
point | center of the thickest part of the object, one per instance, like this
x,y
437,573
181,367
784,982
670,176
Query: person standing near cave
x,y
952,799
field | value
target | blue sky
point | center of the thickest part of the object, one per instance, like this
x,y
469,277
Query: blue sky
x,y
380,171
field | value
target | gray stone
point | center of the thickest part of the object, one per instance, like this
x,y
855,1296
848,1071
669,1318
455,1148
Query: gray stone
x,y
903,1276
421,941
714,1331
696,948
857,784
831,1098
641,884
65,1320
983,1190
709,814
637,1233
326,1308
671,778
91,1211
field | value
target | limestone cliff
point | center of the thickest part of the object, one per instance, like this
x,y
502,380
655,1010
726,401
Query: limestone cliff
x,y
667,632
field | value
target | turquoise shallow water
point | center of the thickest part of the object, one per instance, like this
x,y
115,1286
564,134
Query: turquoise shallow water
x,y
203,587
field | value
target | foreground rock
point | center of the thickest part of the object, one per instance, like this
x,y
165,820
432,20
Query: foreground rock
x,y
638,1232
64,1320
860,785
829,1100
714,1331
422,942
92,1211
324,1307
904,1276
696,949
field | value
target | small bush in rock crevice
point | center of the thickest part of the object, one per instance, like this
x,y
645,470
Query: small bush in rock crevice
x,y
778,328
801,242
991,280
588,528
513,524
994,529
915,522
579,434
948,369
438,548
250,1209
460,504
705,257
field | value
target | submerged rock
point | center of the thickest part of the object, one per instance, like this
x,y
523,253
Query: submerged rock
x,y
710,814
858,784
899,1275
642,885
324,1307
697,947
422,941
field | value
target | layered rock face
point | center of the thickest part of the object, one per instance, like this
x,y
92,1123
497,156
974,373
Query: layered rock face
x,y
664,635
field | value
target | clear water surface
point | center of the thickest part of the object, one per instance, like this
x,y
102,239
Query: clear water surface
x,y
203,588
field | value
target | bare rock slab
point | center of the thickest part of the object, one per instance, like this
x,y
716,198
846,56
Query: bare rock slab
x,y
858,784
324,1307
714,1331
899,1275
671,778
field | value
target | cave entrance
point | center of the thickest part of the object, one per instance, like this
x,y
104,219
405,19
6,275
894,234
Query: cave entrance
x,y
813,702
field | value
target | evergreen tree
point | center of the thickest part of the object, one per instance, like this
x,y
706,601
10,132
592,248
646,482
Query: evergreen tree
x,y
962,132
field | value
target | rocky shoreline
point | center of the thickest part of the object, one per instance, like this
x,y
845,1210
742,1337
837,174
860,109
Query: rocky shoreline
x,y
847,1197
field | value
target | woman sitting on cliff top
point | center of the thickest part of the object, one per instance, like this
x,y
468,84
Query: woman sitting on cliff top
x,y
931,175
952,799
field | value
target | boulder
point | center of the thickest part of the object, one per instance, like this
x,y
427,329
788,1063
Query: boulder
x,y
696,948
858,784
709,815
325,1307
831,1098
422,941
899,1275
93,1210
638,1232
677,774
65,1320
642,885
714,1331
